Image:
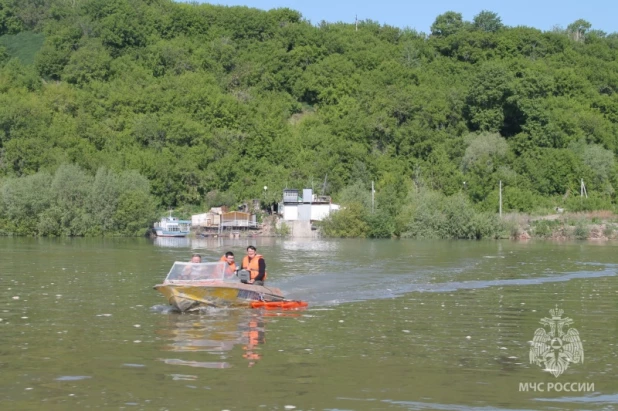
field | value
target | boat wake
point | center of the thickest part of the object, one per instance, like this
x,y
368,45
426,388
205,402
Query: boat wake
x,y
335,288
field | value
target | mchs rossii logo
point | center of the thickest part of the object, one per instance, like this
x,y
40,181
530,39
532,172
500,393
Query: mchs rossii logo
x,y
557,349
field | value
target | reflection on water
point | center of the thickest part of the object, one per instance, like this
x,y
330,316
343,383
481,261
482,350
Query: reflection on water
x,y
215,332
199,364
254,334
173,242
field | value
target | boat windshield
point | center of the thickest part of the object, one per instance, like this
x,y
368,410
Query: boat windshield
x,y
215,271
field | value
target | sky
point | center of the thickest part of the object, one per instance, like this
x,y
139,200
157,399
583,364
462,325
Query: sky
x,y
420,15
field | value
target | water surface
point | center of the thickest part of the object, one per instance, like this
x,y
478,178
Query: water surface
x,y
394,325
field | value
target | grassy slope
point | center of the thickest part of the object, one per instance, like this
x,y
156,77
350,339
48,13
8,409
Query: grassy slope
x,y
23,45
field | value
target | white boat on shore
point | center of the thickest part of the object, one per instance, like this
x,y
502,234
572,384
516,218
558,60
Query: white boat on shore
x,y
172,227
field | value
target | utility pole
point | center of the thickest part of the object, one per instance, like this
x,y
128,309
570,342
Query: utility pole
x,y
583,190
356,22
324,185
500,198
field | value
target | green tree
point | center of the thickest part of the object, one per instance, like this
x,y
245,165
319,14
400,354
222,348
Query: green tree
x,y
90,62
602,164
487,21
552,171
447,24
56,51
70,187
356,192
135,213
578,29
10,23
485,148
4,56
23,200
487,97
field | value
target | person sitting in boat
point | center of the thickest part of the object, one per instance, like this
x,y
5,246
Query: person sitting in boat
x,y
230,265
256,265
189,272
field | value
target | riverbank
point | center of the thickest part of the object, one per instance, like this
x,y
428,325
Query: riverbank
x,y
594,226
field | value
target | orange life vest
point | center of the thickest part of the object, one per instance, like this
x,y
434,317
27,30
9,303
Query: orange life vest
x,y
229,268
253,266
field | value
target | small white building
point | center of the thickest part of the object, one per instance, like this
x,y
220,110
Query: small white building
x,y
218,217
307,207
209,219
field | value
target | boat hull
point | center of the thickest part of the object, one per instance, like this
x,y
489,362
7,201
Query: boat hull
x,y
161,233
185,297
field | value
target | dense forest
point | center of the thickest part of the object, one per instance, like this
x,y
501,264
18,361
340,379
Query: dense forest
x,y
112,111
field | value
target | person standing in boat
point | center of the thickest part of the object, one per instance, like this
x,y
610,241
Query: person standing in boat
x,y
256,265
230,265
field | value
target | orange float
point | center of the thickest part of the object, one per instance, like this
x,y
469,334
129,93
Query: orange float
x,y
284,304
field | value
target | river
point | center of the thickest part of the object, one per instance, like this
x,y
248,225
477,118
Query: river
x,y
391,325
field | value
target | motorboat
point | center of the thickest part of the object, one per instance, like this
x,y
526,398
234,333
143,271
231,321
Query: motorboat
x,y
190,286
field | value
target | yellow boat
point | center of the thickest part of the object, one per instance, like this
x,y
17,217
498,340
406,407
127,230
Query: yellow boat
x,y
189,286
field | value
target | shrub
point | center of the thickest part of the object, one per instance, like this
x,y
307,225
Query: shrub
x,y
593,202
609,230
381,225
545,228
433,215
581,231
283,229
348,222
